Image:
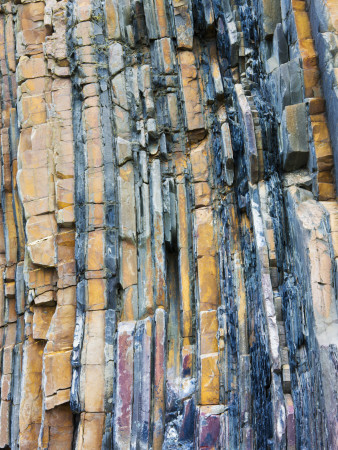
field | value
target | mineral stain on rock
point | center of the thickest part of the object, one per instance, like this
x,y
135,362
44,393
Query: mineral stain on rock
x,y
169,224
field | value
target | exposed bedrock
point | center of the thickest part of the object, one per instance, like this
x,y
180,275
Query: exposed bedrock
x,y
169,224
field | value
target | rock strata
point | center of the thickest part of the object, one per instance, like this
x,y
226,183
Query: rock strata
x,y
169,224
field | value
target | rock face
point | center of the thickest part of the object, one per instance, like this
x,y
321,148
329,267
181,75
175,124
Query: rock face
x,y
169,224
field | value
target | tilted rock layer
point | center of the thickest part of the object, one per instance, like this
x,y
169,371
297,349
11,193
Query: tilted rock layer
x,y
169,224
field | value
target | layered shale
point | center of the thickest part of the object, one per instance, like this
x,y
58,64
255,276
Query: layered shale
x,y
169,224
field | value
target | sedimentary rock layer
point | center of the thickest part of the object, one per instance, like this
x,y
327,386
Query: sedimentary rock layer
x,y
169,224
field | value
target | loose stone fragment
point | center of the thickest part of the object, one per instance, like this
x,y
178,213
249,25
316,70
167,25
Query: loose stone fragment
x,y
296,140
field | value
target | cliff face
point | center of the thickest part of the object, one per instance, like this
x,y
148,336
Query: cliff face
x,y
169,234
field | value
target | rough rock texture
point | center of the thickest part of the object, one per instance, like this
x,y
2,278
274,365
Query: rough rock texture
x,y
169,224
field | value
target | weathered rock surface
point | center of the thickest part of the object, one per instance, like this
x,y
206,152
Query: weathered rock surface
x,y
169,224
